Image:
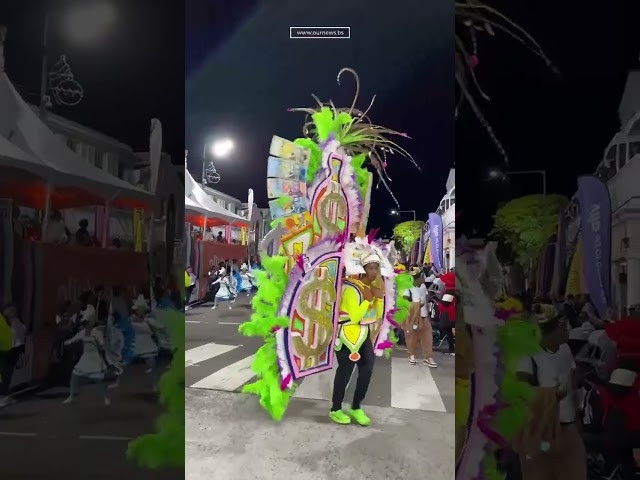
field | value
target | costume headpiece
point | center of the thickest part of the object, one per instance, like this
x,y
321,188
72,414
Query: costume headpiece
x,y
320,191
140,303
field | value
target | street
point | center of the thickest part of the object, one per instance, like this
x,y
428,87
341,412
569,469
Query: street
x,y
41,437
228,434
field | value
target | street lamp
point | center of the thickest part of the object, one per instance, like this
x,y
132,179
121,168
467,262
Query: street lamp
x,y
83,22
500,175
398,212
219,149
222,148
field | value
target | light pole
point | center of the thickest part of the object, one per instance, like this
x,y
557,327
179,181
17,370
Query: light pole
x,y
82,19
398,212
499,175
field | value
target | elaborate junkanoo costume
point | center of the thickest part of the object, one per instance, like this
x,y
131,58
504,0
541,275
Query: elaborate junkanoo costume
x,y
313,298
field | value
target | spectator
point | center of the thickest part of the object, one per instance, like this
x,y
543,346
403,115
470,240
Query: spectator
x,y
220,238
56,231
10,359
83,238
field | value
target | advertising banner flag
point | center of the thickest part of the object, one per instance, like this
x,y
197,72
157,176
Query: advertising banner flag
x,y
595,225
435,237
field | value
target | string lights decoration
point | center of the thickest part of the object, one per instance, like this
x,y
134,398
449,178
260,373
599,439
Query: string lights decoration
x,y
211,176
474,18
358,135
63,85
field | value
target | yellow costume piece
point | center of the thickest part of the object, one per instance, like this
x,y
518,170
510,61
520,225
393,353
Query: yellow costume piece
x,y
356,314
6,335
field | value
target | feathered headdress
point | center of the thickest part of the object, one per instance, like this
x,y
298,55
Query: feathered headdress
x,y
361,251
355,132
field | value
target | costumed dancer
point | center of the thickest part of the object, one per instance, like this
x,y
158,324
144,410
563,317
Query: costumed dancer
x,y
92,365
309,309
248,280
145,348
361,305
122,323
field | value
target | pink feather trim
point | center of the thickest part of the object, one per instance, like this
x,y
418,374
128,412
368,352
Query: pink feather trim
x,y
284,384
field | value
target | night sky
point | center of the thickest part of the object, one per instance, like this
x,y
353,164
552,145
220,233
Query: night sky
x,y
560,124
243,72
130,74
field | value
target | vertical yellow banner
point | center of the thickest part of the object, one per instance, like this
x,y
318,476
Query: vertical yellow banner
x,y
574,280
427,253
243,233
138,230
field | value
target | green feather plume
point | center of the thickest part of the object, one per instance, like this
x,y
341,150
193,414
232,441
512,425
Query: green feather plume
x,y
165,448
272,283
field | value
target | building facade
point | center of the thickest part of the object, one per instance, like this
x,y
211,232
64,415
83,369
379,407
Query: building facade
x,y
447,210
620,170
120,160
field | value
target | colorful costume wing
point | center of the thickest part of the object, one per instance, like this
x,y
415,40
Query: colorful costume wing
x,y
296,308
499,404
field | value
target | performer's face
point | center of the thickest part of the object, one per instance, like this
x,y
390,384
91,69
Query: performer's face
x,y
372,271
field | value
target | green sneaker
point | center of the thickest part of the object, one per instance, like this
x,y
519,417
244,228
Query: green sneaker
x,y
360,417
340,417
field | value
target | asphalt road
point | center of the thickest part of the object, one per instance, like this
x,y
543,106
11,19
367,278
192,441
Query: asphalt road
x,y
42,438
228,435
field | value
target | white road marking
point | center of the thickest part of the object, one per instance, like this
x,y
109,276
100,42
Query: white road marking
x,y
206,352
413,387
318,386
229,378
18,434
104,437
192,321
228,323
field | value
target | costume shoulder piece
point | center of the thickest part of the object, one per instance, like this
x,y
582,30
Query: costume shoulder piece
x,y
320,190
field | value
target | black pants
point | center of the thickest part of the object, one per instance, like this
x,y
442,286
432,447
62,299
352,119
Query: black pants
x,y
344,371
8,362
447,333
189,291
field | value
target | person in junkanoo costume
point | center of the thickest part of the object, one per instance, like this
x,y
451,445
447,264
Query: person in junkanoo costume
x,y
361,306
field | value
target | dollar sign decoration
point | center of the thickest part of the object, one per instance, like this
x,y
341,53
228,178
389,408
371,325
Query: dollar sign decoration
x,y
330,225
323,289
375,329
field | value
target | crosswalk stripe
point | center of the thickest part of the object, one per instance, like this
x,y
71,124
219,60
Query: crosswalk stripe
x,y
413,388
229,378
206,352
316,387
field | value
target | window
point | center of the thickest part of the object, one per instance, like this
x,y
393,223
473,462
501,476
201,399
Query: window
x,y
611,153
452,201
87,152
110,163
71,144
605,173
99,160
634,149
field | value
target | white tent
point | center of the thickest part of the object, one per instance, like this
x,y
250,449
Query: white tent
x,y
13,156
49,157
193,207
194,193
